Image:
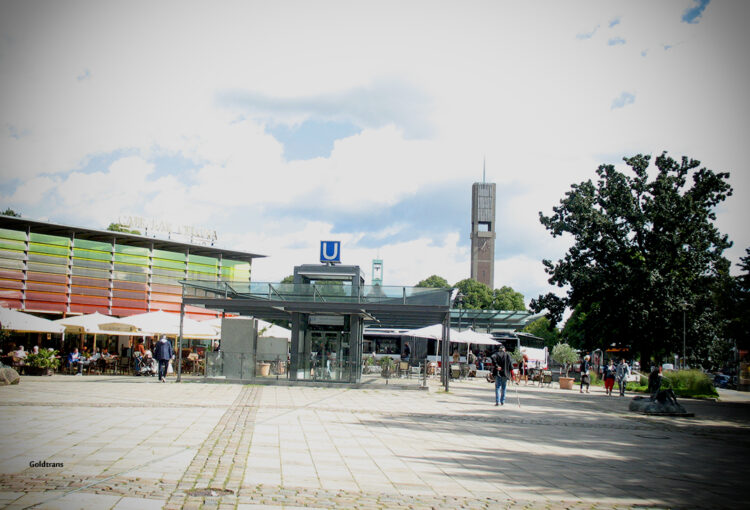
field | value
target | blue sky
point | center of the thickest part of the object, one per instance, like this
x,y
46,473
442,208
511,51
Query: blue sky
x,y
280,125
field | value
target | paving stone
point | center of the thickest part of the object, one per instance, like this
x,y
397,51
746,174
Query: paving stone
x,y
365,448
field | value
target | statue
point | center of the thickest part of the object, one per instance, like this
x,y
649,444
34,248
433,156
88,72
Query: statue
x,y
661,401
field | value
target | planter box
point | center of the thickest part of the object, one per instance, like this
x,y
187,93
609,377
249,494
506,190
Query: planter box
x,y
566,383
263,369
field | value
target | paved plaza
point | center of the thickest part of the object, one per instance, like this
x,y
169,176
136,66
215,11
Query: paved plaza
x,y
125,442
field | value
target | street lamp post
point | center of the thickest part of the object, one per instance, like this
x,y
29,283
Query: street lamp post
x,y
684,353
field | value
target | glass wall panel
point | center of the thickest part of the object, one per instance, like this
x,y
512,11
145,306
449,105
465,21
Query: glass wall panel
x,y
12,234
10,244
47,239
92,245
48,249
91,254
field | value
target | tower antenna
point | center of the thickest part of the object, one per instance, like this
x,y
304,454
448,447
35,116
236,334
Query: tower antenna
x,y
484,169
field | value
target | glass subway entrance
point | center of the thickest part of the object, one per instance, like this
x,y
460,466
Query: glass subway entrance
x,y
326,352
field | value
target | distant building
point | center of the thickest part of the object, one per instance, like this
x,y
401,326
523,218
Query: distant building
x,y
377,272
63,269
483,233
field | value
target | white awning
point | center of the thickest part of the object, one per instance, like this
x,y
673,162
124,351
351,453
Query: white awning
x,y
163,323
23,322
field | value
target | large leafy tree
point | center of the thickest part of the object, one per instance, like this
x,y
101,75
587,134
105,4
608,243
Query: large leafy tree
x,y
543,328
478,296
643,249
435,282
505,298
475,294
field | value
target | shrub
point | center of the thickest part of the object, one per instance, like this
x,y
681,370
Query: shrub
x,y
685,383
517,355
688,383
44,359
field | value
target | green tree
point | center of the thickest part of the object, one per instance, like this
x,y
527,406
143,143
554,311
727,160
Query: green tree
x,y
733,298
573,333
642,249
10,212
505,298
476,295
543,328
435,282
288,279
118,227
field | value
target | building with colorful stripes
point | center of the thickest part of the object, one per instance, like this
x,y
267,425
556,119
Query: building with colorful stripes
x,y
62,270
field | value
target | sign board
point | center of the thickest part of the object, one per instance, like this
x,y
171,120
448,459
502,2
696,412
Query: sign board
x,y
326,320
330,252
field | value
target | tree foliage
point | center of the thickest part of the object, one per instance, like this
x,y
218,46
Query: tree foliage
x,y
118,227
642,250
434,282
475,295
543,328
505,298
478,296
10,212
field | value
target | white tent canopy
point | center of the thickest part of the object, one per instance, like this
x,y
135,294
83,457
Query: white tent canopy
x,y
474,338
23,322
435,332
163,323
92,324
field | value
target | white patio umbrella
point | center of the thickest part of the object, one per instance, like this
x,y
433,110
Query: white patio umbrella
x,y
163,323
91,324
26,323
474,338
435,332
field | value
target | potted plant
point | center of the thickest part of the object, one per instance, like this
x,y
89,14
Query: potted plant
x,y
517,357
369,363
387,366
43,363
565,355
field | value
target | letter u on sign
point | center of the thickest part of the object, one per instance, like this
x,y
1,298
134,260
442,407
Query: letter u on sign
x,y
330,251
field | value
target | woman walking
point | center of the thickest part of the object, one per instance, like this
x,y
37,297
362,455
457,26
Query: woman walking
x,y
609,378
585,367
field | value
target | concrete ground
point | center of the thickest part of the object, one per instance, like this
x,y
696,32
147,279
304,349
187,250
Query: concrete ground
x,y
127,442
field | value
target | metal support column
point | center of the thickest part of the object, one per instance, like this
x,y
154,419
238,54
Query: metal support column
x,y
179,338
446,369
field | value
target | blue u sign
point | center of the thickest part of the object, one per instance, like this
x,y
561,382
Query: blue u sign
x,y
330,251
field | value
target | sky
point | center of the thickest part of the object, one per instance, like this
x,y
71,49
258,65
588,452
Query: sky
x,y
282,124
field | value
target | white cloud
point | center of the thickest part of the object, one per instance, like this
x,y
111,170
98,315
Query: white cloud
x,y
507,81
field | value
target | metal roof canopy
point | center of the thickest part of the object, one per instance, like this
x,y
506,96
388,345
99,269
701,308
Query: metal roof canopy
x,y
279,301
41,227
491,320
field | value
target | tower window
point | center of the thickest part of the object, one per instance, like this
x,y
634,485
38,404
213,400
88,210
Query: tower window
x,y
484,226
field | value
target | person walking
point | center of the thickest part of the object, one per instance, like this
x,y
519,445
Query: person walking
x,y
406,355
163,353
585,377
609,378
502,368
623,371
